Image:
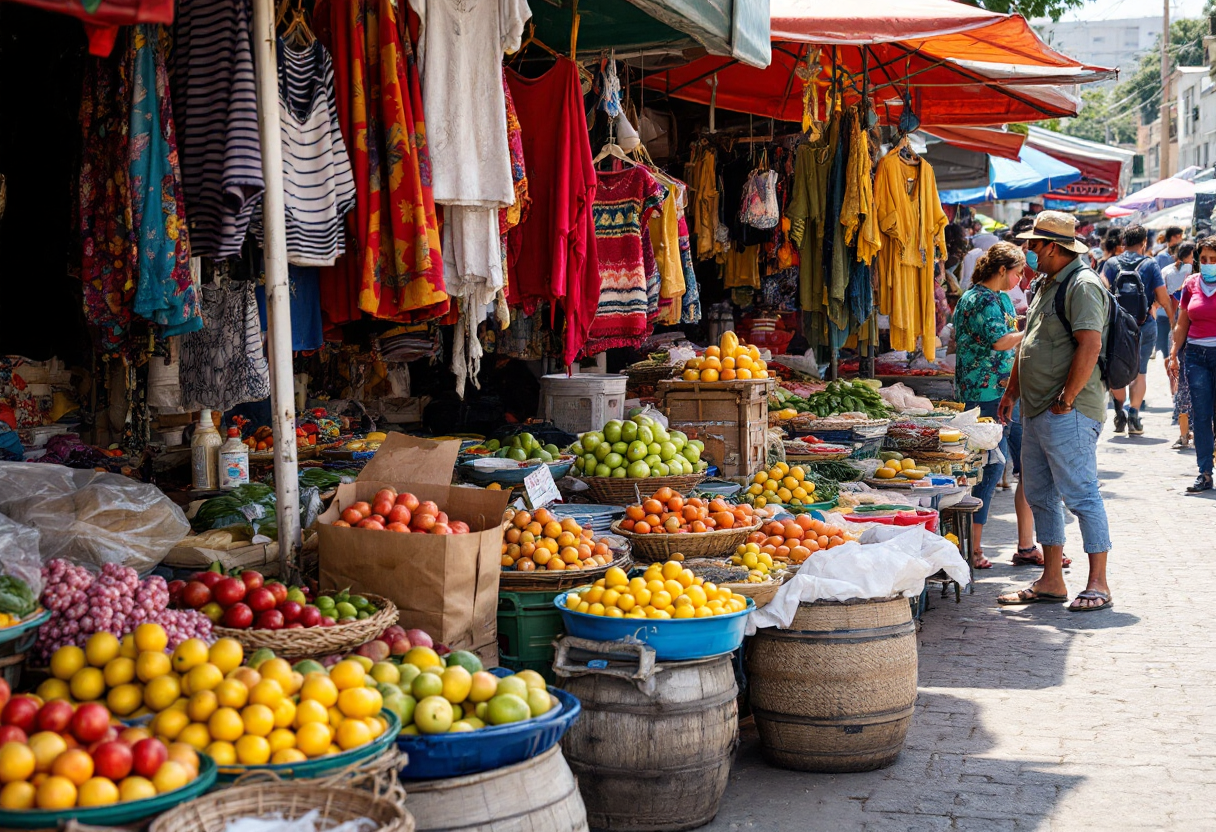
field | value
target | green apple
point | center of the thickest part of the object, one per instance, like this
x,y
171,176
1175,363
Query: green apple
x,y
589,463
614,460
645,434
612,431
698,444
602,450
620,447
690,453
651,459
629,431
577,449
637,450
661,470
678,438
590,441
655,448
603,470
619,473
639,469
666,451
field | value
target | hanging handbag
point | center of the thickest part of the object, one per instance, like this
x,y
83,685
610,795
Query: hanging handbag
x,y
759,208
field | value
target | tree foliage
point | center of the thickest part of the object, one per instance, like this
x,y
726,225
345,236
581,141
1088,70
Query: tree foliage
x,y
1029,9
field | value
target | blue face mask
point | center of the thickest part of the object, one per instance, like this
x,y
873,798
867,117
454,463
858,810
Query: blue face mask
x,y
1032,260
1207,272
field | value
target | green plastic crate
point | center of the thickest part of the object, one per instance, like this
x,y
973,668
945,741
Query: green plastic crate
x,y
527,625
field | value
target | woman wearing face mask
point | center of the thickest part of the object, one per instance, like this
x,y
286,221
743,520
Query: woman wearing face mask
x,y
986,332
1195,332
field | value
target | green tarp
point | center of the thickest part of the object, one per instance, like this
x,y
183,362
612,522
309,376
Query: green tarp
x,y
734,28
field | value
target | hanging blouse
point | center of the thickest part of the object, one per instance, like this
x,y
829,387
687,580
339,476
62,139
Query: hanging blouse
x,y
215,108
690,303
222,365
318,187
394,268
166,295
552,254
624,203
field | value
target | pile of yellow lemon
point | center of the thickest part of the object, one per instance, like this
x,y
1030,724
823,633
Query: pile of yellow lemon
x,y
905,468
759,564
781,484
729,360
665,591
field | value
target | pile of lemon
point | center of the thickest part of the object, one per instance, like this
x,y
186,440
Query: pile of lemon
x,y
759,564
781,485
906,468
665,591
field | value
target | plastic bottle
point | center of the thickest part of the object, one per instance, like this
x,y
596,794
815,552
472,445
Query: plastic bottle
x,y
234,461
205,454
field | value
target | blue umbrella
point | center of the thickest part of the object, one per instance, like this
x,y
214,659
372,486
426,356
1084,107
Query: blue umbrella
x,y
1034,173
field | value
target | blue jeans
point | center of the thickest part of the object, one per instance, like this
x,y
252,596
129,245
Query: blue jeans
x,y
1201,378
1013,435
1163,336
992,472
1060,468
1148,339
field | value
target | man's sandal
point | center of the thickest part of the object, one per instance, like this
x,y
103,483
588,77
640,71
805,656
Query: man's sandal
x,y
1030,595
1092,595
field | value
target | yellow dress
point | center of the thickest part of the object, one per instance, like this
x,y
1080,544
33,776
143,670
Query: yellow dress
x,y
665,237
912,226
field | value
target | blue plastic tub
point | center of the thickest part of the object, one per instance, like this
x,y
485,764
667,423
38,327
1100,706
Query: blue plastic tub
x,y
437,756
673,640
512,476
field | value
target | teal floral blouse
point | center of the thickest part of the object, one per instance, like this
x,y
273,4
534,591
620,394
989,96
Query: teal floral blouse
x,y
981,318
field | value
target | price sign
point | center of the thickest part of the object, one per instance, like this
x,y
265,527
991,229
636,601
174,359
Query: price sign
x,y
540,489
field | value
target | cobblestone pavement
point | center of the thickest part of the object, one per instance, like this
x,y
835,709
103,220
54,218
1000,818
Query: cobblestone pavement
x,y
1034,718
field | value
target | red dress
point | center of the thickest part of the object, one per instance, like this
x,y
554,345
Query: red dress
x,y
552,254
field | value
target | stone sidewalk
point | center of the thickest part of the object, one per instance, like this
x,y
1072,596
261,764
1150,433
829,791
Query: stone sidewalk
x,y
1034,718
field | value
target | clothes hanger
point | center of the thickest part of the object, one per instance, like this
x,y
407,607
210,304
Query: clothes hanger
x,y
906,153
298,32
613,149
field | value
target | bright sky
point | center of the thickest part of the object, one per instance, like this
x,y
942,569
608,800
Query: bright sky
x,y
1115,9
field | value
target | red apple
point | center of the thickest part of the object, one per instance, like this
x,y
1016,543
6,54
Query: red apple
x,y
419,638
228,592
175,593
395,631
196,594
376,650
21,711
399,646
363,508
441,528
385,494
279,591
213,611
295,625
340,524
408,500
384,508
422,522
379,518
260,599
253,580
148,755
11,733
427,507
442,517
352,517
5,692
291,611
399,528
114,759
238,616
270,620
459,527
55,716
374,525
442,649
326,621
209,579
399,514
90,722
110,735
310,616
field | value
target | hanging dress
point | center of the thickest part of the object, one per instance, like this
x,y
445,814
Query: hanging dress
x,y
222,364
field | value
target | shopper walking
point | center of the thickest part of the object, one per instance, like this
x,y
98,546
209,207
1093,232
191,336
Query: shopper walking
x,y
1135,280
1173,274
986,333
1171,238
1196,333
1057,380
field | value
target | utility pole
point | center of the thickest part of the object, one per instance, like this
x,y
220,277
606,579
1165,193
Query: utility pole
x,y
1165,91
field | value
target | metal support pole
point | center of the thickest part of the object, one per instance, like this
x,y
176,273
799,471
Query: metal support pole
x,y
278,310
1166,163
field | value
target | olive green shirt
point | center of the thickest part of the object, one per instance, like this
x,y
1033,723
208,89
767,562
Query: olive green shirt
x,y
1047,349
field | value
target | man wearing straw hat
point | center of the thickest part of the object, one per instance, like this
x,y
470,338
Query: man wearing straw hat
x,y
1063,403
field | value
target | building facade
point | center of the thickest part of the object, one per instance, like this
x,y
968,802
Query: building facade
x,y
1111,43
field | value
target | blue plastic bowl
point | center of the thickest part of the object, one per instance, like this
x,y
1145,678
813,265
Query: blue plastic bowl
x,y
437,756
512,476
673,640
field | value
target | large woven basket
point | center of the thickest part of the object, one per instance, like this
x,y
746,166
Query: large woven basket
x,y
623,491
335,804
761,593
542,580
656,548
317,641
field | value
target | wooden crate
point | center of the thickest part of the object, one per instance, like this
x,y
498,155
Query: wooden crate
x,y
730,417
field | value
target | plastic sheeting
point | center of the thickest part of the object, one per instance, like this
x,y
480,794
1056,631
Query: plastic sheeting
x,y
1033,174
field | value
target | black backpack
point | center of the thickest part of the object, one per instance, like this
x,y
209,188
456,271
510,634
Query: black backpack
x,y
1121,363
1128,289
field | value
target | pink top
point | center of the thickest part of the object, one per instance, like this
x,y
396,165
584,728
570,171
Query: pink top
x,y
1200,308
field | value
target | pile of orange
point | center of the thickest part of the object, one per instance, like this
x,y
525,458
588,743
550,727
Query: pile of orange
x,y
729,360
667,512
796,540
540,541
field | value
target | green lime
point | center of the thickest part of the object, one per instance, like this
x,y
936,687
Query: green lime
x,y
363,614
346,610
325,602
360,602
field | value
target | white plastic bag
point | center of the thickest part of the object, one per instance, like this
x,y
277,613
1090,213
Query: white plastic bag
x,y
19,556
981,436
886,562
91,517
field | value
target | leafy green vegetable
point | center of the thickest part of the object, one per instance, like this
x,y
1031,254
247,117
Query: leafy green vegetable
x,y
16,598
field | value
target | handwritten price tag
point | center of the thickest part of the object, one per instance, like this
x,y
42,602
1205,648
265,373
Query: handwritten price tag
x,y
540,489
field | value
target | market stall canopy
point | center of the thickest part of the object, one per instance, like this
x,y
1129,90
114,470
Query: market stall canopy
x,y
1105,170
1034,173
958,65
986,140
1179,215
1161,194
956,168
735,28
102,18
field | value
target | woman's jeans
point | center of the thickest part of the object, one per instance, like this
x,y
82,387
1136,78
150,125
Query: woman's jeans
x,y
986,487
1201,377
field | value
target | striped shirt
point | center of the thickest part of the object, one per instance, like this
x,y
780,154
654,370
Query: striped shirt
x,y
318,188
216,115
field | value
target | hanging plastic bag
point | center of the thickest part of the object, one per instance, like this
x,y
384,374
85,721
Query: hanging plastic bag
x,y
759,208
20,568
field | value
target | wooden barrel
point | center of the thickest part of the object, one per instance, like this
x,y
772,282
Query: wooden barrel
x,y
835,692
653,746
537,795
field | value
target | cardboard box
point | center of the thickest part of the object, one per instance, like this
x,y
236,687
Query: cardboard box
x,y
263,557
444,584
730,417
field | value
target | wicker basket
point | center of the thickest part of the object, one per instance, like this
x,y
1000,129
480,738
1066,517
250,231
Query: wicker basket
x,y
215,811
542,580
761,593
644,374
623,491
317,641
656,548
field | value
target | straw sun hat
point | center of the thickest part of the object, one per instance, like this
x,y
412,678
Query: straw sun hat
x,y
1056,227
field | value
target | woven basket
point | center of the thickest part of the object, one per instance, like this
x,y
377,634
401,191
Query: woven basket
x,y
652,374
623,491
336,805
656,548
317,641
761,593
542,580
